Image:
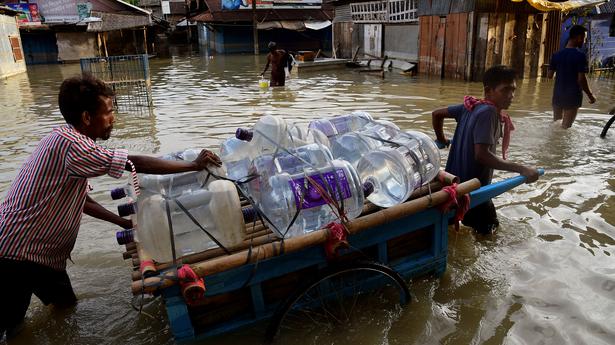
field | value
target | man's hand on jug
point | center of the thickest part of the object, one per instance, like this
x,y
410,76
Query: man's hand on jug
x,y
206,158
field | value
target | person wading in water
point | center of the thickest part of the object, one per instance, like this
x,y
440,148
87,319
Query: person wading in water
x,y
278,58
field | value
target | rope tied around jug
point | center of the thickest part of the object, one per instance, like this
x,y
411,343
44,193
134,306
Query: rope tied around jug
x,y
460,204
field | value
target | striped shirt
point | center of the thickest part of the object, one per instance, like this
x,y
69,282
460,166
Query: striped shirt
x,y
40,216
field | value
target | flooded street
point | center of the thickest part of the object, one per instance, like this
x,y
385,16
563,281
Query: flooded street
x,y
546,277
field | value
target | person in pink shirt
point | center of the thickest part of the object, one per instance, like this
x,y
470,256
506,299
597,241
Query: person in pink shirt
x,y
41,212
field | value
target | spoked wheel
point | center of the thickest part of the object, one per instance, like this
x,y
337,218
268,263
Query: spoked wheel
x,y
353,304
607,126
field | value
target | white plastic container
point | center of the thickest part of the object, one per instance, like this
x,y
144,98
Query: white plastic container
x,y
270,133
176,184
218,210
236,156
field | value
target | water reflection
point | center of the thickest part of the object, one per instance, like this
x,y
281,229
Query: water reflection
x,y
545,277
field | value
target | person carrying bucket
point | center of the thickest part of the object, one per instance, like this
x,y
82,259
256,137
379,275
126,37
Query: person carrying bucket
x,y
278,58
41,212
480,124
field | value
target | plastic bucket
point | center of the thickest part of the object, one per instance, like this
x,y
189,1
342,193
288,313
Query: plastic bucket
x,y
264,83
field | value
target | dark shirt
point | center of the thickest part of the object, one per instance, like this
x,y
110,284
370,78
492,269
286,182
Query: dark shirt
x,y
480,126
567,64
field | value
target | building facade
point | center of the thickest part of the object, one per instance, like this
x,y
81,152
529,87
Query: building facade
x,y
11,51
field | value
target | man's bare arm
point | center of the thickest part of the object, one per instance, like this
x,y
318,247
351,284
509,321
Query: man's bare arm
x,y
582,79
437,122
96,210
152,165
488,159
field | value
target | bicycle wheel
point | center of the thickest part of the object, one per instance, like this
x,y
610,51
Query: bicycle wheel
x,y
354,303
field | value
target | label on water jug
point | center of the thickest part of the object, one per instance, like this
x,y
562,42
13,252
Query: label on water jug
x,y
333,183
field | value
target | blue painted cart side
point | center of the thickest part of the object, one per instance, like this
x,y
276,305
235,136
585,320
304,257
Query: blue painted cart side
x,y
428,227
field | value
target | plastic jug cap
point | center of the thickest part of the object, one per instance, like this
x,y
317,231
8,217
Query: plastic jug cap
x,y
118,193
244,134
368,188
249,214
124,236
126,209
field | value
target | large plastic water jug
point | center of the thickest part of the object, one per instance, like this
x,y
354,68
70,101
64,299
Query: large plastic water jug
x,y
352,146
176,184
299,203
341,124
217,210
396,169
270,134
294,161
236,156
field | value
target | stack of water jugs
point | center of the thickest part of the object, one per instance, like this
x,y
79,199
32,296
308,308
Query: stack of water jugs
x,y
298,180
183,205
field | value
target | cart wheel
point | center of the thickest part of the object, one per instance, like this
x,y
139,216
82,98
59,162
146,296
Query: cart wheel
x,y
352,303
607,126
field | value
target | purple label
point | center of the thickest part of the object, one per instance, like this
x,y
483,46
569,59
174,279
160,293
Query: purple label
x,y
341,124
308,196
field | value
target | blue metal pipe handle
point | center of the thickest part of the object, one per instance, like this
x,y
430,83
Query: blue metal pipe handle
x,y
485,193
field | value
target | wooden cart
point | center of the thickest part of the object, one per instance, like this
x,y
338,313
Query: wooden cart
x,y
271,280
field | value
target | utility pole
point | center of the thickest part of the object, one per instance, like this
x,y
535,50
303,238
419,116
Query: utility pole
x,y
254,28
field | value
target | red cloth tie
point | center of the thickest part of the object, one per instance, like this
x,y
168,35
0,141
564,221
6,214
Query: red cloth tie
x,y
454,202
336,240
192,287
147,266
470,102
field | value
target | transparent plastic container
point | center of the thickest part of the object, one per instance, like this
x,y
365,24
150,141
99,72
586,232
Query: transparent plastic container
x,y
324,129
217,209
296,161
354,145
236,156
397,169
288,194
176,184
270,133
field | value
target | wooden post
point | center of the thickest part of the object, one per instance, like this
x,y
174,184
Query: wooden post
x,y
480,47
532,45
509,33
518,46
145,40
99,44
105,44
255,28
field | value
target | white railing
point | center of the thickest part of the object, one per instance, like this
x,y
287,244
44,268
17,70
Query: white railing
x,y
385,11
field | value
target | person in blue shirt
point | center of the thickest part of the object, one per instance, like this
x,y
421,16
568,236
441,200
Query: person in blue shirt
x,y
569,66
473,148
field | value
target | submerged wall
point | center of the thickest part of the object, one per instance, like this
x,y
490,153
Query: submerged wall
x,y
11,51
73,46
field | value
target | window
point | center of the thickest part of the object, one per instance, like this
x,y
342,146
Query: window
x,y
17,53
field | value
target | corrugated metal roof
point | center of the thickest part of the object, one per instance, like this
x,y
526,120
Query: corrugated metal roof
x,y
609,7
261,15
436,7
342,14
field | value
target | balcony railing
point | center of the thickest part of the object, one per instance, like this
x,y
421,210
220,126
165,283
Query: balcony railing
x,y
386,11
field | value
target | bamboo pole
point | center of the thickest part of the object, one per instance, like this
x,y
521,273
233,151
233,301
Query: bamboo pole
x,y
105,43
225,263
213,253
146,264
128,254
